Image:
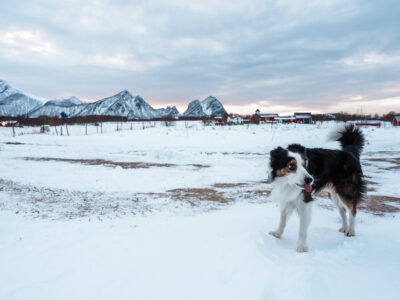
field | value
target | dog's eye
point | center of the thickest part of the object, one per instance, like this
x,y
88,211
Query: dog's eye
x,y
291,166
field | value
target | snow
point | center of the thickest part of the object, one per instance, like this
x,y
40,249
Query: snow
x,y
128,240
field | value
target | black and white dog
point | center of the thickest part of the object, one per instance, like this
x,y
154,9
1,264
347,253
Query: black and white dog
x,y
298,172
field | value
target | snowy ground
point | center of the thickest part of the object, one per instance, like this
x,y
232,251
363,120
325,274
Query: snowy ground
x,y
182,212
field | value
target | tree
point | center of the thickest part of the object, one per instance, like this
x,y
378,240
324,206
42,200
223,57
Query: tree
x,y
63,115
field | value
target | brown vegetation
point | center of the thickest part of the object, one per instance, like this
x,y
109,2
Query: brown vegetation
x,y
109,163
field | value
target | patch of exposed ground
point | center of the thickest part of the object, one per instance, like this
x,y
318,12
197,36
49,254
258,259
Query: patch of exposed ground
x,y
51,203
109,163
193,195
380,205
14,143
229,185
393,161
68,204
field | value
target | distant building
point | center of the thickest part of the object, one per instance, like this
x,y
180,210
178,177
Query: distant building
x,y
396,121
285,119
269,117
375,123
303,118
258,117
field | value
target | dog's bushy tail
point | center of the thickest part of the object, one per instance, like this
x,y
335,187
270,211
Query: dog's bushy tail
x,y
350,138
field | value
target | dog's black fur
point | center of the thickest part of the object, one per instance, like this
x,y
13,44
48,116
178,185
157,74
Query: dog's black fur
x,y
340,169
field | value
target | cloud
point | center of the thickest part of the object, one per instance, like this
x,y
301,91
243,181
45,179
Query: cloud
x,y
299,54
19,43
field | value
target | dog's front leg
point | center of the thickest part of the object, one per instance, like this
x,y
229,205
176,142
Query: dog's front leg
x,y
286,210
304,210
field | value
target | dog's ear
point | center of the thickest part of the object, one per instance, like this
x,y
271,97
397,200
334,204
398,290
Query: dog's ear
x,y
277,157
297,149
277,160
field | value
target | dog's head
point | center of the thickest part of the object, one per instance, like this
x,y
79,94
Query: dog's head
x,y
287,166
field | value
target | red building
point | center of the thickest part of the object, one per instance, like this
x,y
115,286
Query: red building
x,y
258,117
396,121
303,118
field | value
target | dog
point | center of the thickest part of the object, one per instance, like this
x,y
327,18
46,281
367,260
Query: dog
x,y
297,173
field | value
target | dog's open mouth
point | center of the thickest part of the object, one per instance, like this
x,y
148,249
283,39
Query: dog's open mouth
x,y
306,187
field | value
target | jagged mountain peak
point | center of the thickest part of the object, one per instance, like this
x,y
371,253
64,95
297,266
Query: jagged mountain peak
x,y
14,103
210,106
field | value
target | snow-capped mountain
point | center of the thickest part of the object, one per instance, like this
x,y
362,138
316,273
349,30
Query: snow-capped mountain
x,y
59,108
210,106
125,105
14,103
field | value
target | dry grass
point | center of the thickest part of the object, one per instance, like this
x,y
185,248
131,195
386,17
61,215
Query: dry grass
x,y
229,185
394,161
109,163
378,204
200,194
14,143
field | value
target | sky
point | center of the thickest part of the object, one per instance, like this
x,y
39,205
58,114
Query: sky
x,y
278,56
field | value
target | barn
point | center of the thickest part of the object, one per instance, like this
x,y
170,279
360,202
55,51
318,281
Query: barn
x,y
303,118
396,121
268,117
285,119
258,117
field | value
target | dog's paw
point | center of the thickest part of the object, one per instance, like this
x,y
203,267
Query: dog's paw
x,y
276,234
349,232
342,229
302,248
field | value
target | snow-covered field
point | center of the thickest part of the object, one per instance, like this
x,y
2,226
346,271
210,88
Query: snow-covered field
x,y
182,212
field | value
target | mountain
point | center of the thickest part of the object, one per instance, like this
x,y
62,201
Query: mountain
x,y
15,103
125,105
54,108
210,106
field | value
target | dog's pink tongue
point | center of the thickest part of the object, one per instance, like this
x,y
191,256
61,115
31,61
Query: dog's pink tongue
x,y
307,188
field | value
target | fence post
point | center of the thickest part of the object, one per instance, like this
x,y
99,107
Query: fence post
x,y
86,128
66,127
13,130
101,127
56,130
61,131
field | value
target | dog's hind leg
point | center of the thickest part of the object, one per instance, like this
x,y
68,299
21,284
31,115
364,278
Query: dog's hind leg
x,y
286,211
352,220
342,210
304,210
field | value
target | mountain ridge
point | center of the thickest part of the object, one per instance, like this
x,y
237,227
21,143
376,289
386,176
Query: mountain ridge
x,y
15,103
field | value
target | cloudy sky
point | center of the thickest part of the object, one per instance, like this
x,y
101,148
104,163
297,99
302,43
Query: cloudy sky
x,y
279,56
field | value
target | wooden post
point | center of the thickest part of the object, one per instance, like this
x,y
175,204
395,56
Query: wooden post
x,y
101,127
61,131
66,127
86,128
56,130
13,130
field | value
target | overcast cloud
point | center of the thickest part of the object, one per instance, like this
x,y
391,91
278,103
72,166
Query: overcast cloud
x,y
281,56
